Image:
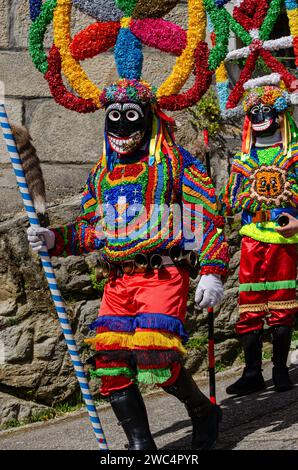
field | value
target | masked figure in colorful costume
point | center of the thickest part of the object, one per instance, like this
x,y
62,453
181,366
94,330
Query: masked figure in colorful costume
x,y
263,186
125,211
148,204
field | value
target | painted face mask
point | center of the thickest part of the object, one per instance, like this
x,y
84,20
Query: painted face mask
x,y
127,126
264,119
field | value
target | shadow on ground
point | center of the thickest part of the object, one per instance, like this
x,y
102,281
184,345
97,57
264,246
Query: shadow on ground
x,y
264,412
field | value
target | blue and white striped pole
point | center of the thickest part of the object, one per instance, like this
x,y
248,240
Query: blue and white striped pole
x,y
51,278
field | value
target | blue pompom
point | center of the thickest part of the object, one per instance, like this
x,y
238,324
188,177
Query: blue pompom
x,y
35,8
280,104
128,55
221,3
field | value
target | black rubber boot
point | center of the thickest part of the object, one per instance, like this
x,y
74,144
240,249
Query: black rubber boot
x,y
252,379
204,415
129,408
282,336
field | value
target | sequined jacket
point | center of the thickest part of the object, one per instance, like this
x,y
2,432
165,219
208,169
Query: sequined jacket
x,y
135,208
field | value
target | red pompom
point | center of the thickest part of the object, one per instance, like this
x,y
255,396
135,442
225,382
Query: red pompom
x,y
60,93
96,38
202,82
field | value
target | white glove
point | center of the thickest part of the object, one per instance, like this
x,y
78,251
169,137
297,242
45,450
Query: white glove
x,y
37,236
209,291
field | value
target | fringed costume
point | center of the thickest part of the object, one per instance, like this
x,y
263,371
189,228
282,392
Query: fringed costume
x,y
144,314
148,204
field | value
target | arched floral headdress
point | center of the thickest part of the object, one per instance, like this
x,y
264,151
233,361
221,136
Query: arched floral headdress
x,y
124,25
252,21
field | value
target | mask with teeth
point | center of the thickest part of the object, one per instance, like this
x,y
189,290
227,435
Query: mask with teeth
x,y
264,120
127,126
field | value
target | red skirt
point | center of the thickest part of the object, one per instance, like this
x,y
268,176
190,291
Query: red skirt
x,y
140,331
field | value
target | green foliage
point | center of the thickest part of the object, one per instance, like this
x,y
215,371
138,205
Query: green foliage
x,y
13,321
205,115
294,342
267,354
62,408
221,366
45,415
13,423
29,394
40,416
97,285
197,342
295,335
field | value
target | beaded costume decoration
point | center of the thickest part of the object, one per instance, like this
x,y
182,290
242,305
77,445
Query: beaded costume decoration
x,y
270,165
180,179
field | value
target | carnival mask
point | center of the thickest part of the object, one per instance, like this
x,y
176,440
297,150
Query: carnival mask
x,y
127,126
264,119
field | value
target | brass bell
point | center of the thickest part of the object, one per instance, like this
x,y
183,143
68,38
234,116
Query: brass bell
x,y
141,261
156,261
176,253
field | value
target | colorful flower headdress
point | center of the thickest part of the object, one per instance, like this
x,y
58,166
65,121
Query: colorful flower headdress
x,y
271,95
125,90
252,21
125,25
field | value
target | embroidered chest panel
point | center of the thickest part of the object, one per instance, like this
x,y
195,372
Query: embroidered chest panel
x,y
269,185
268,179
129,193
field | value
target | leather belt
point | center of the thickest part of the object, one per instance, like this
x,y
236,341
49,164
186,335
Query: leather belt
x,y
143,263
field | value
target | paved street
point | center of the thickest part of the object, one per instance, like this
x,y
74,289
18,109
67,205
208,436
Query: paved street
x,y
262,421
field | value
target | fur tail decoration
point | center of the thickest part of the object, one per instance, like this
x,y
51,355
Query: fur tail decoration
x,y
31,167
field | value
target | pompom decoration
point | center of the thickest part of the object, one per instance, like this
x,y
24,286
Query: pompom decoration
x,y
252,21
127,6
154,8
95,39
61,95
128,90
35,7
102,10
272,79
202,83
76,76
294,99
160,34
251,15
37,33
185,62
217,20
281,104
128,55
270,95
125,25
292,12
